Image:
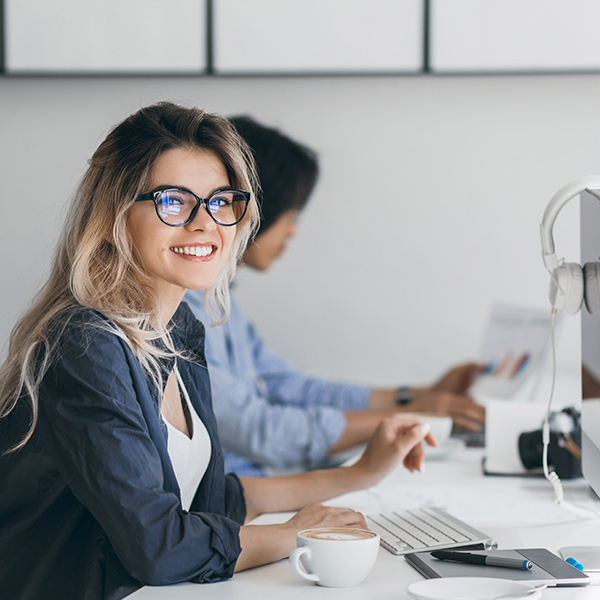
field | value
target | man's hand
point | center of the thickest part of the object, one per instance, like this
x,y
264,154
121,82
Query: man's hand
x,y
465,412
447,396
459,379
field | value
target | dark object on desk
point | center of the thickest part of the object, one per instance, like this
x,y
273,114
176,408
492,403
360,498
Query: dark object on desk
x,y
473,439
564,450
547,568
529,473
521,564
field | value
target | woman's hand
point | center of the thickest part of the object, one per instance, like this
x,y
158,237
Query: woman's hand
x,y
397,439
262,544
317,515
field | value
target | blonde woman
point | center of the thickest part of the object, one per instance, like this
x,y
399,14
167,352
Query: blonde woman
x,y
111,469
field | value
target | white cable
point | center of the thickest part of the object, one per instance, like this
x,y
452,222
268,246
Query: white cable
x,y
552,476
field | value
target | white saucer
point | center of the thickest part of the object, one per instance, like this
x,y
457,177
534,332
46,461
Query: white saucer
x,y
469,588
443,450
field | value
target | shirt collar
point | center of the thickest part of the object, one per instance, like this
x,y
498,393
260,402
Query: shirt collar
x,y
188,332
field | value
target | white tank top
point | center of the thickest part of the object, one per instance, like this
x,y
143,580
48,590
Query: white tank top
x,y
189,456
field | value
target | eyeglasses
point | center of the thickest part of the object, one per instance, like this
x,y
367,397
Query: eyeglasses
x,y
176,207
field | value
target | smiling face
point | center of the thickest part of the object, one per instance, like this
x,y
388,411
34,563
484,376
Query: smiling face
x,y
187,257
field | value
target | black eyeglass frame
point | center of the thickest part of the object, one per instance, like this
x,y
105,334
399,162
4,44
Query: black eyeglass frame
x,y
154,196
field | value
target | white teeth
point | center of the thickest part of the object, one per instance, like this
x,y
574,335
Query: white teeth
x,y
193,250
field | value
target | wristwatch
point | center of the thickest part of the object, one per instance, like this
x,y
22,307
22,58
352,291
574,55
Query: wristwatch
x,y
404,395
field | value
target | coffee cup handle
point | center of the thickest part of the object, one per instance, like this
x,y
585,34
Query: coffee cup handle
x,y
295,563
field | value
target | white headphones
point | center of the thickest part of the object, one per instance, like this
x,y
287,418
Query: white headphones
x,y
571,284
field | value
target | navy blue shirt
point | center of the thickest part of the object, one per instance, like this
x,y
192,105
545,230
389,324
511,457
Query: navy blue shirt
x,y
90,506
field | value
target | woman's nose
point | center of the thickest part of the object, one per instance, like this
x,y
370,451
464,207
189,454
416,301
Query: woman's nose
x,y
202,220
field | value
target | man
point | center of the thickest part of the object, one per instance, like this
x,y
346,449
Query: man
x,y
268,414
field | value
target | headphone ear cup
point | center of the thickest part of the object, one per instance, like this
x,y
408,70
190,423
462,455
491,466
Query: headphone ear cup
x,y
591,273
566,288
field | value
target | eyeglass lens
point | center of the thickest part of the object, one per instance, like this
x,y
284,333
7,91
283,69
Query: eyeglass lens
x,y
175,206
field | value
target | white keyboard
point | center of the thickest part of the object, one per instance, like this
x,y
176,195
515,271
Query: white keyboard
x,y
424,529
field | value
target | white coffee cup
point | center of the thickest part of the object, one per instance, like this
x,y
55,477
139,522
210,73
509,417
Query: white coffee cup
x,y
335,556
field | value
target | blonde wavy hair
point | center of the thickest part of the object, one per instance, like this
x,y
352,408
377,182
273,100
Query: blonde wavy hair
x,y
95,264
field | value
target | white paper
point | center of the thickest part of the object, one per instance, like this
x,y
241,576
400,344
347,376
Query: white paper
x,y
513,347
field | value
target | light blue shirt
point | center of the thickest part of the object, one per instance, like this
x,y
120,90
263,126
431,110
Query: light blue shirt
x,y
268,414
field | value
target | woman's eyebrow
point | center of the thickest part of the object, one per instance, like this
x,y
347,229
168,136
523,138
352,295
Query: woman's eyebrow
x,y
162,187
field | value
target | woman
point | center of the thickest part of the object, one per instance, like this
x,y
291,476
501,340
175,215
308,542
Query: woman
x,y
111,467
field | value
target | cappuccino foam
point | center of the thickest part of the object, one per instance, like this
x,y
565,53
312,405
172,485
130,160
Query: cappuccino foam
x,y
338,533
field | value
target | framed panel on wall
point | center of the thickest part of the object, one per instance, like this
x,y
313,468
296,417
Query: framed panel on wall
x,y
105,36
314,37
487,36
2,39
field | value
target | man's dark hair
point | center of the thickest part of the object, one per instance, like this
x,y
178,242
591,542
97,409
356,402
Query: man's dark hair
x,y
287,170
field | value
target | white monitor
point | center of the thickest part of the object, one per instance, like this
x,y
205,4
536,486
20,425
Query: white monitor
x,y
590,351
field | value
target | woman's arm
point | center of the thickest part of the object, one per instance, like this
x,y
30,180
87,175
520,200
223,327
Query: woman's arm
x,y
396,440
359,427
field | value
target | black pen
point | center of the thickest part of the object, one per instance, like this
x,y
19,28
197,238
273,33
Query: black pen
x,y
484,559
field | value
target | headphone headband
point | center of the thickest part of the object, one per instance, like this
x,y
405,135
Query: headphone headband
x,y
591,183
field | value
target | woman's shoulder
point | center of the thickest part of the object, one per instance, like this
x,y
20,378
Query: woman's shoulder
x,y
79,329
80,318
87,348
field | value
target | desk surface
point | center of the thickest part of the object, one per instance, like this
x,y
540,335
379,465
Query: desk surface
x,y
519,512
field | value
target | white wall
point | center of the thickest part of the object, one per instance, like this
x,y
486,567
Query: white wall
x,y
426,213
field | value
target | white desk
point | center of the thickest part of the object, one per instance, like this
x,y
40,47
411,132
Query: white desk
x,y
518,512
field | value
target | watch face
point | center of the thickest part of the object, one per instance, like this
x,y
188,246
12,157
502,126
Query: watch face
x,y
404,395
